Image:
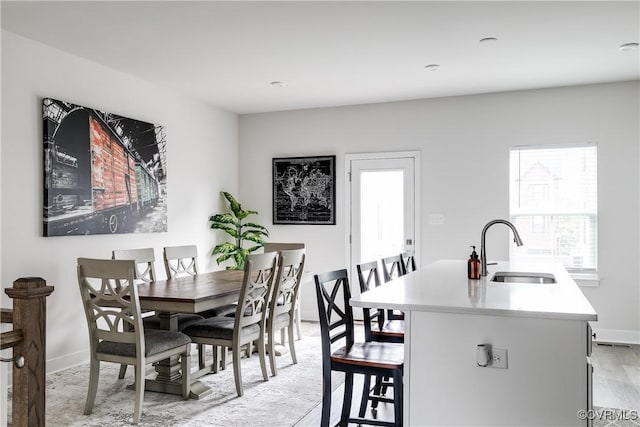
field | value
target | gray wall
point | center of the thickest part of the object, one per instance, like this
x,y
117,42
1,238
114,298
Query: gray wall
x,y
464,143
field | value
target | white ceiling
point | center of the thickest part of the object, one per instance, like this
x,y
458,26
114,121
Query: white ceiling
x,y
340,53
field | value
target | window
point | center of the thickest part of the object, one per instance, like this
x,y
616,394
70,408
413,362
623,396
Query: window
x,y
554,205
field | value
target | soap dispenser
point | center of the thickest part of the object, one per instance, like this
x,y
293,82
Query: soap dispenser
x,y
473,265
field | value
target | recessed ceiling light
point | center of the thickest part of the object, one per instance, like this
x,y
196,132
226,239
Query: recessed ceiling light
x,y
432,67
628,47
488,40
278,84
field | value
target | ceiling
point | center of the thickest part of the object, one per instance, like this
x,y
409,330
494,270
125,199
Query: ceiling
x,y
330,53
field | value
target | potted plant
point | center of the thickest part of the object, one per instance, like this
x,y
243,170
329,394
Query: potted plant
x,y
232,224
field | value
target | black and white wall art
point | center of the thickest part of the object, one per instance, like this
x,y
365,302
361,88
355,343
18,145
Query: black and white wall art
x,y
304,190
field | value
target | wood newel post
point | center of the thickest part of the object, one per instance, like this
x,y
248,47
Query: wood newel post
x,y
30,316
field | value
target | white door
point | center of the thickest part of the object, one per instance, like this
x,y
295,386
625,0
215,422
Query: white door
x,y
382,209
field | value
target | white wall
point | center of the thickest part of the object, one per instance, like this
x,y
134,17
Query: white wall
x,y
465,145
202,161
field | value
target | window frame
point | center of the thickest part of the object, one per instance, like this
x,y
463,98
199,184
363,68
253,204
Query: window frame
x,y
587,276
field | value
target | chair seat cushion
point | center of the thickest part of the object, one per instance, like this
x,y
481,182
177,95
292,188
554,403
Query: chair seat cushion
x,y
281,319
155,341
225,310
219,328
371,354
184,320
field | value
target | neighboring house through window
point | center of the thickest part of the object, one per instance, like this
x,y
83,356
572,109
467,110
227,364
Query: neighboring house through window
x,y
554,205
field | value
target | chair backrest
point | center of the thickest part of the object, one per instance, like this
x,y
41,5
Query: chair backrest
x,y
369,278
287,282
110,299
392,267
145,260
259,272
336,315
180,260
408,262
276,247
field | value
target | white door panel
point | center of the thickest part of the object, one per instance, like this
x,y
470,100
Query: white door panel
x,y
382,207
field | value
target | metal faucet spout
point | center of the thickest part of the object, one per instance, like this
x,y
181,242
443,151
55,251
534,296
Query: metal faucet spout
x,y
483,249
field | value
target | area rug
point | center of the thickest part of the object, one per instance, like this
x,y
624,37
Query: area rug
x,y
281,401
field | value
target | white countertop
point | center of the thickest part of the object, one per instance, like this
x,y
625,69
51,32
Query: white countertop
x,y
443,287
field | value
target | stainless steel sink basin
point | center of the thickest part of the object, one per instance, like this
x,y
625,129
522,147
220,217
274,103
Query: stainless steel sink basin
x,y
520,277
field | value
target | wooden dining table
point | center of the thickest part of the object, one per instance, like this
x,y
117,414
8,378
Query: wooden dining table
x,y
192,294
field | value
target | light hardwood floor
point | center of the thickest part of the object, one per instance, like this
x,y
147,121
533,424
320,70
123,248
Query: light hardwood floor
x,y
616,384
616,376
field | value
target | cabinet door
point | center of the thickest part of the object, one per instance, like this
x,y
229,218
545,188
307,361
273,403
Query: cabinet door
x,y
589,391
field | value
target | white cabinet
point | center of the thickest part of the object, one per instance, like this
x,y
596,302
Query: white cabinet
x,y
545,383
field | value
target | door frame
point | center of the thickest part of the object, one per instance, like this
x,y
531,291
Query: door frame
x,y
348,158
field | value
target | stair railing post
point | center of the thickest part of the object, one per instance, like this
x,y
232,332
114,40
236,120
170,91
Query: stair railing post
x,y
30,315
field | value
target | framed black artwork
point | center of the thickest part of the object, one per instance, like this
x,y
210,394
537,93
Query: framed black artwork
x,y
304,190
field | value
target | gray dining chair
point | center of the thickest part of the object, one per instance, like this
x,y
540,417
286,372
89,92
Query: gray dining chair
x,y
112,308
248,324
145,273
181,261
276,247
392,268
145,259
284,294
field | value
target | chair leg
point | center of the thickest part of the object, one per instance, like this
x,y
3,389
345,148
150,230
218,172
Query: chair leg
x,y
366,389
398,397
377,390
224,351
272,352
326,397
263,357
139,385
185,365
296,317
346,400
292,346
200,356
236,369
216,359
123,371
94,373
282,337
385,381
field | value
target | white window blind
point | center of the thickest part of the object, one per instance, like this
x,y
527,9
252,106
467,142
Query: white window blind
x,y
554,205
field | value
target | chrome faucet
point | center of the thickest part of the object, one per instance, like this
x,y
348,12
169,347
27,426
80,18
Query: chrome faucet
x,y
483,250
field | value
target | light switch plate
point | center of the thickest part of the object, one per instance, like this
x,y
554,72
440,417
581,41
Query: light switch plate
x,y
436,219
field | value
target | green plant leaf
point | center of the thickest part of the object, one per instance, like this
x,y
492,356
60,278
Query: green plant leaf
x,y
230,231
239,260
255,239
225,218
223,258
254,248
235,206
224,248
258,226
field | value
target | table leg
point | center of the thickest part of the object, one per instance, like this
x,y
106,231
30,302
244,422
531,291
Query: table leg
x,y
169,377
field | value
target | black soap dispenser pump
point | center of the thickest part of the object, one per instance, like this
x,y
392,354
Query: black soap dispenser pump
x,y
473,265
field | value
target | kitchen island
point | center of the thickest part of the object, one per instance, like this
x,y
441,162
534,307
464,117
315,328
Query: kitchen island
x,y
539,331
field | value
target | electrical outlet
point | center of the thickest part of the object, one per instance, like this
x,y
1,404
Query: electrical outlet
x,y
498,358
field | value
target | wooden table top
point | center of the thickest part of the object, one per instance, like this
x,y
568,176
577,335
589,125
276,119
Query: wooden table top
x,y
192,294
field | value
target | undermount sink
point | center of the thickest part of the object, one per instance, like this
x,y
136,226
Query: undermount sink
x,y
520,277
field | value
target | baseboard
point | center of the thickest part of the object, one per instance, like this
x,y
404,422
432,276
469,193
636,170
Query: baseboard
x,y
620,336
67,361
